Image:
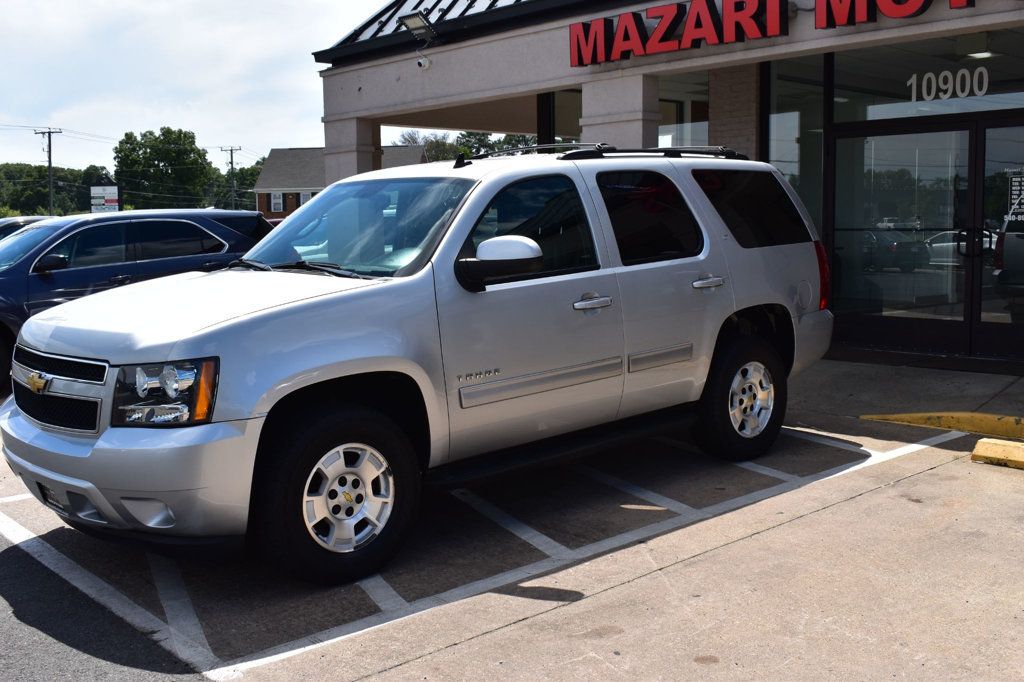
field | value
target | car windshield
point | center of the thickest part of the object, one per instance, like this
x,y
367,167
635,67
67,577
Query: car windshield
x,y
14,247
381,228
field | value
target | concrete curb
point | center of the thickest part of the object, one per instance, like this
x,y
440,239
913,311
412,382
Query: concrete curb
x,y
999,452
996,425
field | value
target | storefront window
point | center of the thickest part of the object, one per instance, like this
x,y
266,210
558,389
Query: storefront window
x,y
796,126
900,220
684,110
957,74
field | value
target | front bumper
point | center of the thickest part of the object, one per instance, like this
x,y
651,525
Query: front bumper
x,y
187,482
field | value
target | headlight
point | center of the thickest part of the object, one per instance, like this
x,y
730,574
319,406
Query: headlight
x,y
166,394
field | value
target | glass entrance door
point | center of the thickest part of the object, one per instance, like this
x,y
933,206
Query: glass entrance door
x,y
928,239
998,246
902,213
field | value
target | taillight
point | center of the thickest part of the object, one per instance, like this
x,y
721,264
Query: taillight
x,y
824,276
893,247
1000,245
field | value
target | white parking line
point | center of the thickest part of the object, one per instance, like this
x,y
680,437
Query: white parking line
x,y
382,594
638,492
767,471
99,590
804,434
186,632
16,498
513,525
180,639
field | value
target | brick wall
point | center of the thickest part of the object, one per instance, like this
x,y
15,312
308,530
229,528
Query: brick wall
x,y
734,95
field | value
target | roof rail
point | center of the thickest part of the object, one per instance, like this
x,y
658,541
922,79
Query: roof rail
x,y
599,151
541,147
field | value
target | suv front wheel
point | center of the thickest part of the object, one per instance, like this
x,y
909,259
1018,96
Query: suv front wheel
x,y
744,401
336,494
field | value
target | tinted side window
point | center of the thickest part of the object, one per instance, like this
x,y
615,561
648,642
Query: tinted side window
x,y
158,239
99,245
754,206
548,210
650,219
254,227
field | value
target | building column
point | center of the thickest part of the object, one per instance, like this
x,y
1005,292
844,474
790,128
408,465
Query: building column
x,y
622,111
352,146
734,96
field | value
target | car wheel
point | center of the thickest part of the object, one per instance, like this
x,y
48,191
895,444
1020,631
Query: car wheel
x,y
907,268
744,401
335,494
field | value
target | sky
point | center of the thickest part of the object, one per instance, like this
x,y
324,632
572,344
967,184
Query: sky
x,y
235,73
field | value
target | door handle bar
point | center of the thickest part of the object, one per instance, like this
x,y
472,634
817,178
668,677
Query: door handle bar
x,y
592,303
709,283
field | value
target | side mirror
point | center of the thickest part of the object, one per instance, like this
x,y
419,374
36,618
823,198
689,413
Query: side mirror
x,y
51,262
499,258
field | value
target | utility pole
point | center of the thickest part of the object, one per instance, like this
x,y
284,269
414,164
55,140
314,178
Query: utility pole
x,y
231,151
49,132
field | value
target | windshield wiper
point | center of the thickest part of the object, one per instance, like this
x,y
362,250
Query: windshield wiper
x,y
251,264
317,266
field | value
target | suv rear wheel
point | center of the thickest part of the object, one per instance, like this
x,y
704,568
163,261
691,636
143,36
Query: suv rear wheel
x,y
744,401
336,494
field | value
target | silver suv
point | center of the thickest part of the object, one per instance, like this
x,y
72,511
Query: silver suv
x,y
409,318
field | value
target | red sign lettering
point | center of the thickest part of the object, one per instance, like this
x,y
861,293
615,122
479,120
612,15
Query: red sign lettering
x,y
630,37
702,24
589,41
669,17
657,31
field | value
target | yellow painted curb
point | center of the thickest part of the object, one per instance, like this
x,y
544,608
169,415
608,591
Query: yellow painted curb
x,y
999,452
996,425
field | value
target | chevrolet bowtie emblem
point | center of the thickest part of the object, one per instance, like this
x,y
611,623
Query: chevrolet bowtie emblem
x,y
37,382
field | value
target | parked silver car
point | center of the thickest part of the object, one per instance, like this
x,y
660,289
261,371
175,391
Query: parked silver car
x,y
406,319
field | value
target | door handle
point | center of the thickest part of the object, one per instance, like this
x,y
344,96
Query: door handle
x,y
592,303
709,283
120,279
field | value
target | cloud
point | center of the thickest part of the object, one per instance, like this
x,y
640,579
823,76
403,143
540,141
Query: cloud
x,y
235,73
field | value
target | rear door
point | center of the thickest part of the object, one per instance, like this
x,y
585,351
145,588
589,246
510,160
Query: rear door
x,y
672,278
535,356
167,247
98,259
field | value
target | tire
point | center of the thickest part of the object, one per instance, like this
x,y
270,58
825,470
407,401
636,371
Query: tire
x,y
715,430
325,462
907,268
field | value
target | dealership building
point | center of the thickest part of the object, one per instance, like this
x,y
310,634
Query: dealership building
x,y
899,122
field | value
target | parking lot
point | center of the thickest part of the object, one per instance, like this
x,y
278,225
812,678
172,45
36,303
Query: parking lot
x,y
495,555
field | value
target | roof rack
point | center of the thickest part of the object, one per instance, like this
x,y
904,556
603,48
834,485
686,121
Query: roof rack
x,y
599,151
541,147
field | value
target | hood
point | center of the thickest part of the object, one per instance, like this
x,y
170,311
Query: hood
x,y
142,322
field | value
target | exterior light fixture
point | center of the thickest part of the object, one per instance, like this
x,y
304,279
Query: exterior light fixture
x,y
419,25
981,55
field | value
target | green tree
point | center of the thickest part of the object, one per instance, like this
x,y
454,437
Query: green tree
x,y
164,170
477,143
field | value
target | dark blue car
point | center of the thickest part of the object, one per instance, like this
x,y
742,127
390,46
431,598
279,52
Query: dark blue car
x,y
61,259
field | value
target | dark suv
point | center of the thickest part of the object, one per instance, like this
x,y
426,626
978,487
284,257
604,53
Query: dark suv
x,y
58,260
9,226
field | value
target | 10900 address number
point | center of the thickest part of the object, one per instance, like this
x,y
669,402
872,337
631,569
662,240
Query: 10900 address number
x,y
947,84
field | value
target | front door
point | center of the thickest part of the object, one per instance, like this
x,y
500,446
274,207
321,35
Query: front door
x,y
534,356
98,259
925,237
998,246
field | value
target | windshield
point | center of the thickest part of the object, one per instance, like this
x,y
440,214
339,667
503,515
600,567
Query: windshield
x,y
382,228
14,247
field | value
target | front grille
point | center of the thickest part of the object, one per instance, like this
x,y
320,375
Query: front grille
x,y
60,367
67,413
